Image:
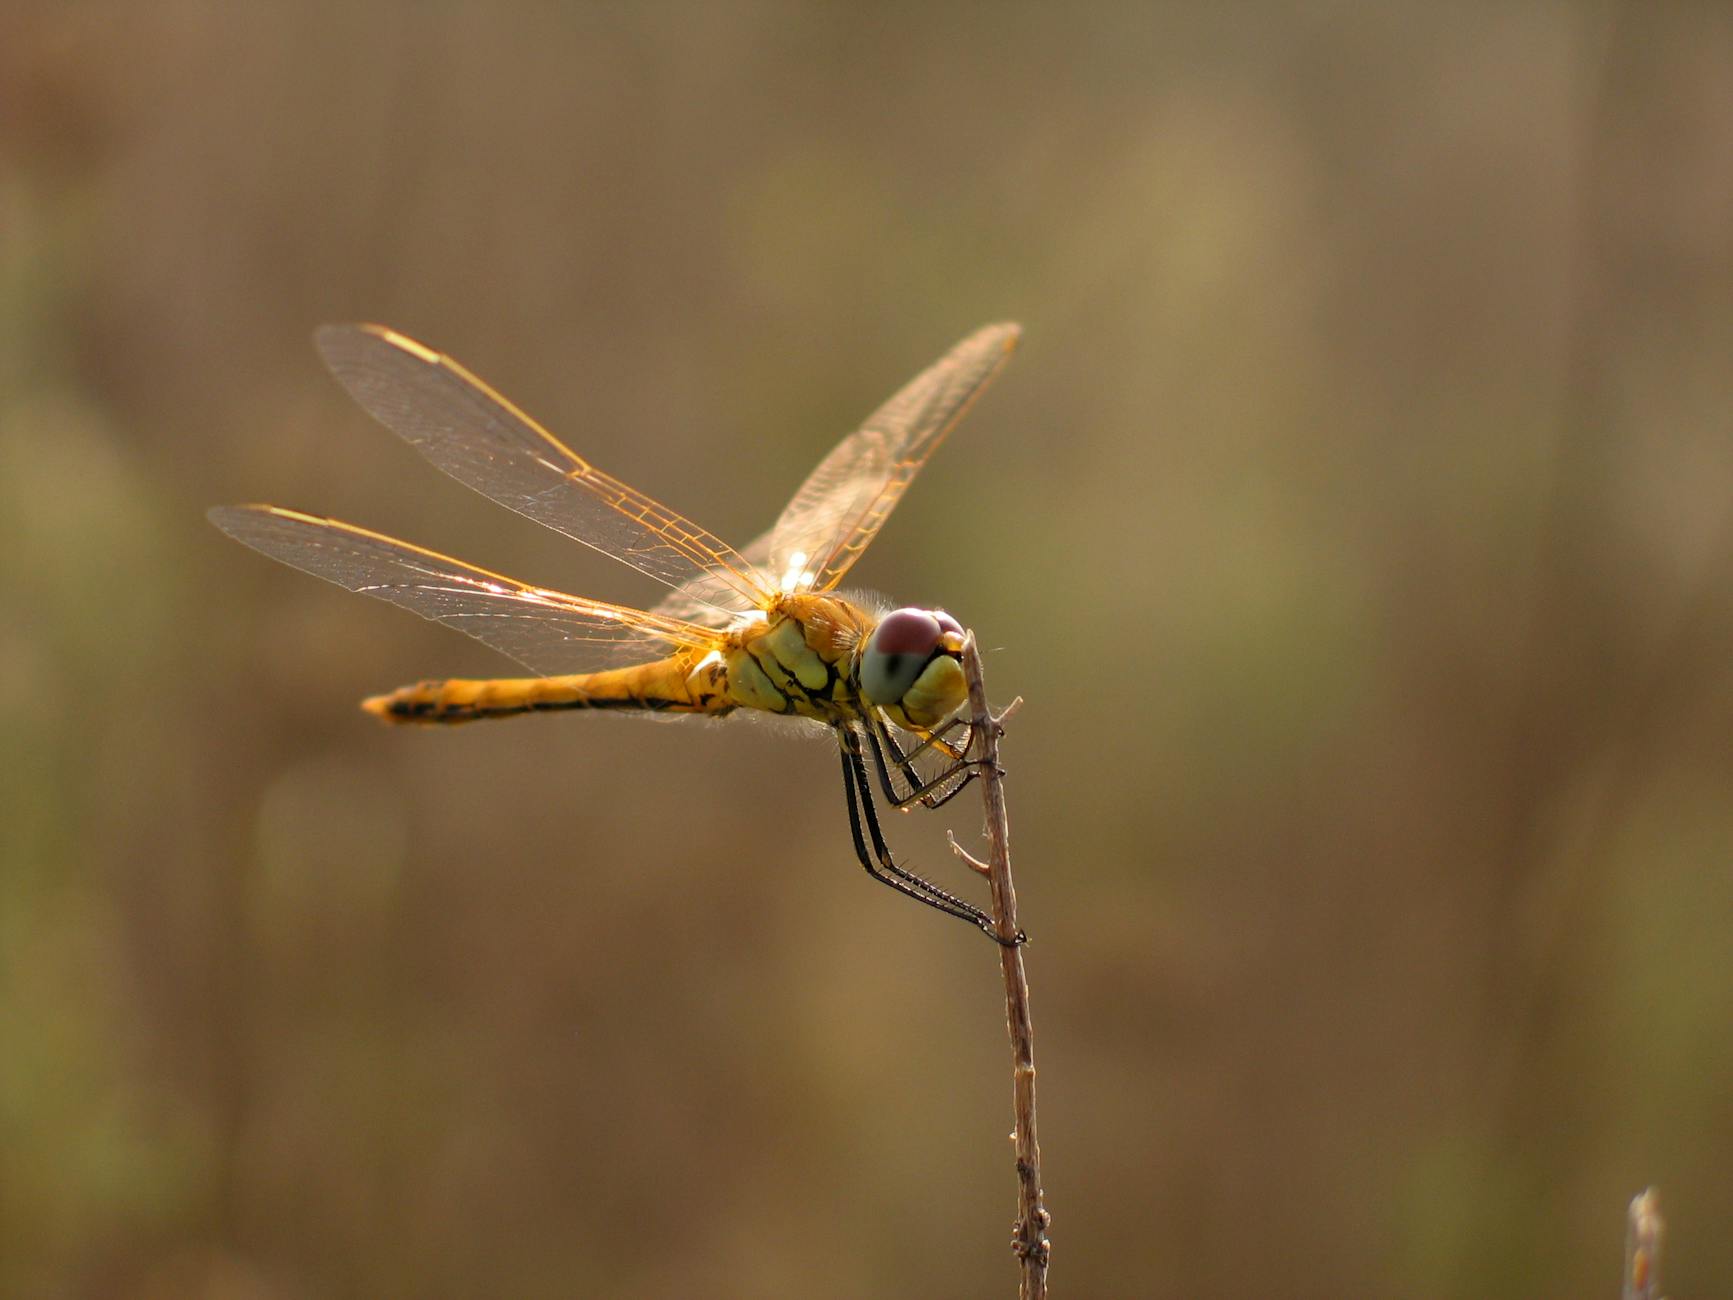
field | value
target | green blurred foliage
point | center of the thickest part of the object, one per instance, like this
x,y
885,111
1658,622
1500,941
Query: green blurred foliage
x,y
1355,521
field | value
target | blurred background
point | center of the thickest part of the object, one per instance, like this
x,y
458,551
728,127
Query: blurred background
x,y
1355,520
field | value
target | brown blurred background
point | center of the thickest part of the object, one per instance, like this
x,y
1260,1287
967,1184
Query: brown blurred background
x,y
1355,519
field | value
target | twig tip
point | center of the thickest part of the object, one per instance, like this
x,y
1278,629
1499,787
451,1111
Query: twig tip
x,y
1644,1229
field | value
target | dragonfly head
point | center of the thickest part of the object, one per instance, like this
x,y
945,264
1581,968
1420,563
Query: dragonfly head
x,y
911,667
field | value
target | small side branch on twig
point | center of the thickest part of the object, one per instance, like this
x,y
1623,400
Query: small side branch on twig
x,y
1029,1234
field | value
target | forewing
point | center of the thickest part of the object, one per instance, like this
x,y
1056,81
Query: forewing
x,y
483,441
689,604
547,631
846,500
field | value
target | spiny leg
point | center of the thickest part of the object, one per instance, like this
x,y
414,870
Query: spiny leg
x,y
928,793
892,764
884,742
936,738
878,861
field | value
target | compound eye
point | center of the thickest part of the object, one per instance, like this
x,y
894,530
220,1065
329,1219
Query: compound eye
x,y
947,622
897,651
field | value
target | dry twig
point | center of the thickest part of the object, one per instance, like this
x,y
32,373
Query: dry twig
x,y
1643,1247
1029,1234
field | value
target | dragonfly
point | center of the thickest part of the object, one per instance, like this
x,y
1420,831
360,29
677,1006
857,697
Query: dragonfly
x,y
763,629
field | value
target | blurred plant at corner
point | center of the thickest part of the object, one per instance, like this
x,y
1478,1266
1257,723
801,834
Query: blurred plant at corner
x,y
1356,526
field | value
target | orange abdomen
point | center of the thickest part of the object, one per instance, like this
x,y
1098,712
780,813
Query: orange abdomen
x,y
677,684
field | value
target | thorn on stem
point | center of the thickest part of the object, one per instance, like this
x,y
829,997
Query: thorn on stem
x,y
973,863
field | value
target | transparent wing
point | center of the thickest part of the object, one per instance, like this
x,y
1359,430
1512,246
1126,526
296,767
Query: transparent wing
x,y
846,500
547,631
689,603
484,442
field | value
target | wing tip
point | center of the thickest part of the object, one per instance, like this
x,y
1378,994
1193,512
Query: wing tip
x,y
230,518
1006,333
330,335
331,340
223,516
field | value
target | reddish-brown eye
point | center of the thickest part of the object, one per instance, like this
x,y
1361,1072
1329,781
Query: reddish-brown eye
x,y
907,632
947,622
898,649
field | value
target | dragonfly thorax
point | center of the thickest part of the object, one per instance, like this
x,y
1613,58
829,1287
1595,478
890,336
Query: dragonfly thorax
x,y
826,658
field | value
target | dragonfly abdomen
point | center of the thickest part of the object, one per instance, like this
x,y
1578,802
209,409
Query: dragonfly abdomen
x,y
672,685
790,665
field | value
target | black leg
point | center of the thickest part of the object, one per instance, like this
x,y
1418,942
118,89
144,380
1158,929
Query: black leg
x,y
878,861
934,793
